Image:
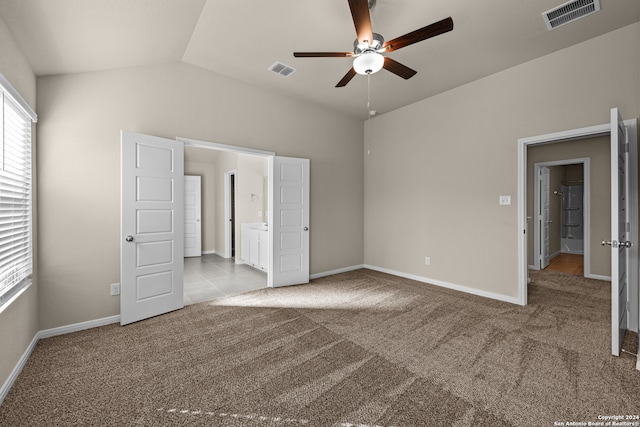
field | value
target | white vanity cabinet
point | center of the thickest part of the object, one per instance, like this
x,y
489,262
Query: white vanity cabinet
x,y
263,250
255,245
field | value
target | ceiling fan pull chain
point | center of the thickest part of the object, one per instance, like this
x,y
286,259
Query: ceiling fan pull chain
x,y
368,93
370,112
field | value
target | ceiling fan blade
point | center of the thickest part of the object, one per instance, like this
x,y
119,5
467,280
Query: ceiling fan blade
x,y
416,36
323,54
398,69
362,20
347,78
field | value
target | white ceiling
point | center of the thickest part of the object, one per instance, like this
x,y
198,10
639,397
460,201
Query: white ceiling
x,y
242,39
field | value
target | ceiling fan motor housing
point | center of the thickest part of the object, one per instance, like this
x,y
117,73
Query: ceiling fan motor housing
x,y
359,48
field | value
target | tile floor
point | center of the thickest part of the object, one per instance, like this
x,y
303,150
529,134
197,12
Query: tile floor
x,y
211,276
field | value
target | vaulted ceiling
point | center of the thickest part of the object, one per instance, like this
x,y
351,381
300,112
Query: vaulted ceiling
x,y
243,39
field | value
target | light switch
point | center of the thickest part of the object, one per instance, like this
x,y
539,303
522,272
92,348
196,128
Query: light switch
x,y
505,200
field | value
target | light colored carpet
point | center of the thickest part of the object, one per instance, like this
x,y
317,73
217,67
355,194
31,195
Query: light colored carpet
x,y
356,349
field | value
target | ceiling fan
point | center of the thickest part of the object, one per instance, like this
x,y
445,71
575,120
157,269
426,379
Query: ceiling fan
x,y
369,46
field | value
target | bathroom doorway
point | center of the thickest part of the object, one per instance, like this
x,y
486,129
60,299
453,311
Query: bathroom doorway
x,y
561,215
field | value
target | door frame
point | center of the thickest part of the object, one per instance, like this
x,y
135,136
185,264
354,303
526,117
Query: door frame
x,y
586,165
569,135
227,212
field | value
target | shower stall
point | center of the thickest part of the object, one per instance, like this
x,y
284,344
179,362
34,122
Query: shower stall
x,y
572,238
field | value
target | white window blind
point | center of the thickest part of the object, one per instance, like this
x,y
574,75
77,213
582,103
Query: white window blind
x,y
15,192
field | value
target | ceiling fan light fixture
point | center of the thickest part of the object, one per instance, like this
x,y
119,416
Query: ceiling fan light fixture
x,y
369,62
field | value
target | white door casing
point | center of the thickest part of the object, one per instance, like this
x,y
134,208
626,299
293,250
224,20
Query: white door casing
x,y
619,231
289,226
192,216
151,264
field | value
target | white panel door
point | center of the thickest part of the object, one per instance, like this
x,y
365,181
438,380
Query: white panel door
x,y
192,216
151,251
619,231
289,228
544,216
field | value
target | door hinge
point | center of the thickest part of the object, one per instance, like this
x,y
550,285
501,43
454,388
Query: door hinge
x,y
628,306
626,147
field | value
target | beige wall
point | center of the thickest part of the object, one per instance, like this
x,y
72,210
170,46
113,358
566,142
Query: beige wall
x,y
251,174
418,204
598,150
81,116
19,321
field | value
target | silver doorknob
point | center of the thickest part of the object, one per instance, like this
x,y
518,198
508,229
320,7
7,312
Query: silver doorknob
x,y
306,229
616,244
129,238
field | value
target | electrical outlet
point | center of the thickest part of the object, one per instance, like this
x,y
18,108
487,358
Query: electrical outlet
x,y
115,289
427,261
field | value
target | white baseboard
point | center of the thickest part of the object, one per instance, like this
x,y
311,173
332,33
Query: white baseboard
x,y
210,253
453,286
598,277
47,333
338,271
16,371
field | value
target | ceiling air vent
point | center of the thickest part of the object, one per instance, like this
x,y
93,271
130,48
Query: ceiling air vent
x,y
570,12
282,69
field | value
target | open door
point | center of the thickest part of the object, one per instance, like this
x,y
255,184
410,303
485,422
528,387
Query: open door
x,y
289,227
620,226
541,217
151,251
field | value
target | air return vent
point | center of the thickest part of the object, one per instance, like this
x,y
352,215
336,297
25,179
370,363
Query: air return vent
x,y
569,12
282,69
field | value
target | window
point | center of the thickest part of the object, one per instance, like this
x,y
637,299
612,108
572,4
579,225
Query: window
x,y
15,193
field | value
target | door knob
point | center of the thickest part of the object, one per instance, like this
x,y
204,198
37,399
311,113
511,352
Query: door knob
x,y
616,244
129,238
306,229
